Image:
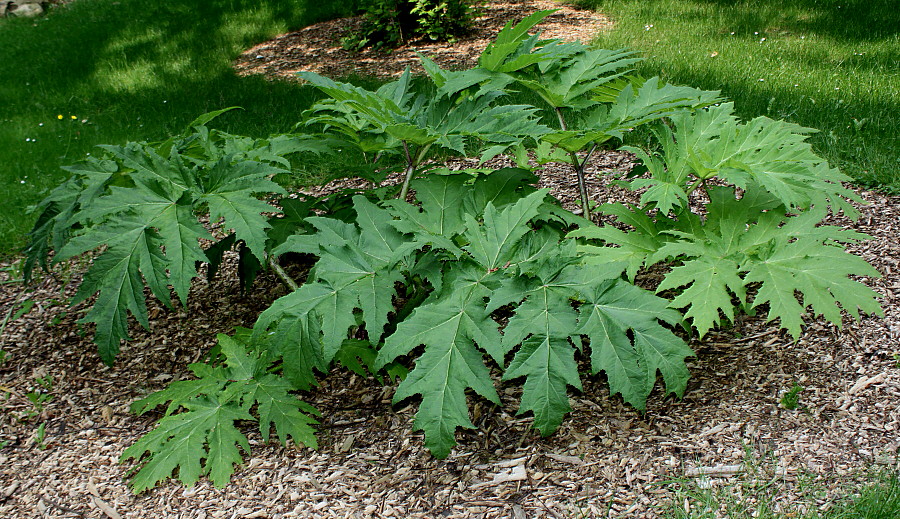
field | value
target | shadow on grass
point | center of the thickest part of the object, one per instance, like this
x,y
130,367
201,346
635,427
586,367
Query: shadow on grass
x,y
132,70
856,20
851,20
134,45
844,137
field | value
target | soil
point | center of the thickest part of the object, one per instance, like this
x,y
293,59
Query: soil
x,y
606,460
317,48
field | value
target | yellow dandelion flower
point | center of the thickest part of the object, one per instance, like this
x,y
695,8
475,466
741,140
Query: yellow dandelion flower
x,y
59,116
74,117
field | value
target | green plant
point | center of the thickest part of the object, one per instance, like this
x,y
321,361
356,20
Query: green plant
x,y
39,435
142,198
15,273
390,23
445,19
37,398
879,499
45,382
759,492
57,319
791,398
478,270
14,314
478,244
397,119
753,244
586,89
224,392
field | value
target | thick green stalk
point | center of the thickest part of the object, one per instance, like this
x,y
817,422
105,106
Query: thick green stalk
x,y
411,164
407,175
582,185
579,170
282,275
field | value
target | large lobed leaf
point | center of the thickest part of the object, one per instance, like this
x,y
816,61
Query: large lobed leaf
x,y
198,436
744,243
141,209
359,266
449,328
506,261
414,118
543,324
763,153
614,310
481,241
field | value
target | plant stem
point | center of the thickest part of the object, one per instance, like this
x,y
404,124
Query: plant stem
x,y
282,275
410,167
579,169
411,164
588,156
582,186
700,183
562,120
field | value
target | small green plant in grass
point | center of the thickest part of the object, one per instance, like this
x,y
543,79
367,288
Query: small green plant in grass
x,y
791,398
37,399
454,274
45,382
759,494
23,309
14,271
879,499
57,319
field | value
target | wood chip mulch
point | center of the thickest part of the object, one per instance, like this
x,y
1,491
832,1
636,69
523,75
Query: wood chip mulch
x,y
317,48
606,460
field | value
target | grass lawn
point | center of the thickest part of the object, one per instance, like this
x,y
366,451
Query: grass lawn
x,y
106,72
755,496
833,65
